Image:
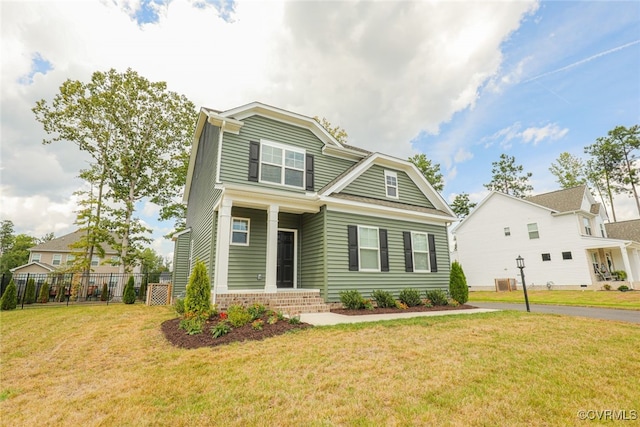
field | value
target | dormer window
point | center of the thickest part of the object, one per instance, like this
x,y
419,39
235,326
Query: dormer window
x,y
391,184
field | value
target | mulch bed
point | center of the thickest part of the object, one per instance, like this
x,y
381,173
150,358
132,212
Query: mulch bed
x,y
418,308
180,338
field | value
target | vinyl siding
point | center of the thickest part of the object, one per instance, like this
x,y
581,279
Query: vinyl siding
x,y
372,184
246,262
235,151
313,271
202,197
181,264
339,277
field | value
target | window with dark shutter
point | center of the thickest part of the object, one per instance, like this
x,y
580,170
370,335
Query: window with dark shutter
x,y
408,253
384,250
352,232
254,160
309,172
432,253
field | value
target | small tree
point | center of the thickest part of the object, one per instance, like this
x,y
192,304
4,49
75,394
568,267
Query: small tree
x,y
197,302
104,295
43,296
30,292
458,284
143,288
9,300
129,294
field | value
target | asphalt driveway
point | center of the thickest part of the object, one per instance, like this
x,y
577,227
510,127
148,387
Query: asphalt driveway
x,y
632,316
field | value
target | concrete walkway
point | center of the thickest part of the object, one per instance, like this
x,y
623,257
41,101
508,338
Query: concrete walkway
x,y
632,316
325,319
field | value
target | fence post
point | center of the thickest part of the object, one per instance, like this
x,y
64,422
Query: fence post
x,y
109,288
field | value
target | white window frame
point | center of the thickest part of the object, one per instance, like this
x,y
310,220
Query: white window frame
x,y
391,174
370,248
414,251
282,166
36,257
248,232
56,258
536,231
586,223
95,261
70,259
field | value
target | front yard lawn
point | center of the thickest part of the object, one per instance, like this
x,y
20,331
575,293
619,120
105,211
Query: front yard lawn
x,y
111,365
604,299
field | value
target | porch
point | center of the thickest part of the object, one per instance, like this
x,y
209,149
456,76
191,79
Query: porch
x,y
615,266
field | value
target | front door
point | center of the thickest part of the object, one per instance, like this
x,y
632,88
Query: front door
x,y
286,259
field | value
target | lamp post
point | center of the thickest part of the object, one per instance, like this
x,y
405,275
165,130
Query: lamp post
x,y
520,264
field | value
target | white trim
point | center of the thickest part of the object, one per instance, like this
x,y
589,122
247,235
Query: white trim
x,y
295,256
394,175
36,260
248,232
221,275
413,252
53,260
282,165
369,248
272,249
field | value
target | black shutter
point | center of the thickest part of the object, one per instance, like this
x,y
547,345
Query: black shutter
x,y
432,253
408,253
384,250
309,172
353,247
254,160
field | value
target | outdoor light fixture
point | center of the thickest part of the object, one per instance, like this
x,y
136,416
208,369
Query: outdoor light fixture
x,y
520,264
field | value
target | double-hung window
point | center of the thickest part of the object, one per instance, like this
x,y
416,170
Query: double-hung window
x,y
369,248
280,164
533,231
240,231
420,248
391,184
587,225
70,259
95,260
57,259
35,257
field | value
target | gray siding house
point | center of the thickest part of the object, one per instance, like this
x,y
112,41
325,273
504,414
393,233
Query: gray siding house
x,y
276,206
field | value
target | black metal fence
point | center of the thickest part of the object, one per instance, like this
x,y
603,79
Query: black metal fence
x,y
72,288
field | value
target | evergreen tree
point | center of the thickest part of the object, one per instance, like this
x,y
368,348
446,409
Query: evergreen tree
x,y
9,300
508,178
458,284
104,295
431,171
30,292
461,205
197,302
129,295
43,297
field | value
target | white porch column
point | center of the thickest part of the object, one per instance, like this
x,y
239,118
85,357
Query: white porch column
x,y
627,265
270,284
222,247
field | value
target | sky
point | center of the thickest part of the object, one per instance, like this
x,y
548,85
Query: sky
x,y
461,81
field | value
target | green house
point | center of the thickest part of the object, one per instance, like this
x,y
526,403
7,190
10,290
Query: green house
x,y
280,211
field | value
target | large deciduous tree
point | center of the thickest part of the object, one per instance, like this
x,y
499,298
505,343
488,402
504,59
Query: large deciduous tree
x,y
430,170
568,170
17,254
508,178
605,160
138,134
627,141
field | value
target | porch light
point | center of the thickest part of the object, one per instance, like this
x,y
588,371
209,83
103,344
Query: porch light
x,y
520,264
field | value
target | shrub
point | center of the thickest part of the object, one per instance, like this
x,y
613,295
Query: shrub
x,y
458,284
142,295
272,319
257,324
9,300
129,294
383,299
104,295
623,288
197,302
61,292
437,297
30,292
256,311
238,316
352,300
43,296
222,328
607,287
401,305
178,305
620,274
192,324
410,297
294,320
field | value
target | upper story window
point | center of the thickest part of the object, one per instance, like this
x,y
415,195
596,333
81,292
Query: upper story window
x,y
95,260
281,164
36,257
587,225
533,231
507,231
391,184
57,259
70,259
240,231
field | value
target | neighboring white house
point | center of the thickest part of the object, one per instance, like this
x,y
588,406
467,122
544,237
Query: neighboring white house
x,y
561,235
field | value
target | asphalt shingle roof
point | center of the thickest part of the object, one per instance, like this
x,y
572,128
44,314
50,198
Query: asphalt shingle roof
x,y
624,230
561,200
61,244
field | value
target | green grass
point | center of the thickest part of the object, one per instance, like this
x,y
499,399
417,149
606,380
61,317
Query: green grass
x,y
110,365
604,299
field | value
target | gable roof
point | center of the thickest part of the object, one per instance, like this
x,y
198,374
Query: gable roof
x,y
38,263
62,243
566,200
624,230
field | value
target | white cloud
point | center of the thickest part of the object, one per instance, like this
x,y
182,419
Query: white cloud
x,y
506,136
552,132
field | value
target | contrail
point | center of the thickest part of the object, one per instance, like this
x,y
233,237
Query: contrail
x,y
582,61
